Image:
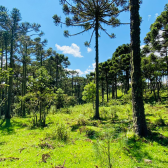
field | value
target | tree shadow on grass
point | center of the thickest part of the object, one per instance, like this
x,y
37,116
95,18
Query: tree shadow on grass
x,y
134,151
6,127
157,137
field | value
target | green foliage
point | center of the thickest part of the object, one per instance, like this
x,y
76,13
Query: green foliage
x,y
40,95
61,132
127,97
71,101
105,152
92,133
60,98
82,120
89,93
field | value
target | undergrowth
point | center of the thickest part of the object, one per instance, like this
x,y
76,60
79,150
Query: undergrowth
x,y
73,138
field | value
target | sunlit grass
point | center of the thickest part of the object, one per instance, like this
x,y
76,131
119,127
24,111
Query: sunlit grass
x,y
86,146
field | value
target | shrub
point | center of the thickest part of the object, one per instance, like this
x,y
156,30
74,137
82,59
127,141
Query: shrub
x,y
60,99
127,97
91,133
71,101
61,132
82,120
104,113
114,115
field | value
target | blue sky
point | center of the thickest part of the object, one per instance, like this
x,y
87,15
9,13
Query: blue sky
x,y
82,58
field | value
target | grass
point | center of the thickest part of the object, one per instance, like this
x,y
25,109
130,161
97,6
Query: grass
x,y
77,140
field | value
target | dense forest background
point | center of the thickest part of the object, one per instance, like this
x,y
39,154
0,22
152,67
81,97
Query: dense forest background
x,y
33,79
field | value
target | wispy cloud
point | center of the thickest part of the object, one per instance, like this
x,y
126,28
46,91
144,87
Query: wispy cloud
x,y
73,50
88,70
91,69
89,49
156,15
77,70
149,16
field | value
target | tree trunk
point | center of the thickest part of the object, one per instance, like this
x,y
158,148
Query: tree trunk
x,y
113,89
56,72
97,70
115,86
1,81
167,66
127,81
139,122
72,84
102,93
24,82
8,112
107,86
6,82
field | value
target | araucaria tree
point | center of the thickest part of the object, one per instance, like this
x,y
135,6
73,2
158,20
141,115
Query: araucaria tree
x,y
136,80
91,14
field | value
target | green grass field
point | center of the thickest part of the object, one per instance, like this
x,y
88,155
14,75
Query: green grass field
x,y
73,139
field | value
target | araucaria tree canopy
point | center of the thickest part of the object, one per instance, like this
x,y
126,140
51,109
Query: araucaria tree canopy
x,y
90,14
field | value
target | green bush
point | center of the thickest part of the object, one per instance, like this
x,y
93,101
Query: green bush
x,y
60,99
91,133
60,133
71,101
82,120
127,97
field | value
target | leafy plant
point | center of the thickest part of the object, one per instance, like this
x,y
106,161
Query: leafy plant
x,y
61,133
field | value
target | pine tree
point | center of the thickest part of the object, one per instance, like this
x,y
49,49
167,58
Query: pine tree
x,y
90,14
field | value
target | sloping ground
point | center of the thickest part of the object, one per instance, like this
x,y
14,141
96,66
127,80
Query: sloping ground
x,y
71,138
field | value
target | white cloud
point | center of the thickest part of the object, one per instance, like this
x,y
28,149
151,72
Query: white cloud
x,y
149,16
78,70
91,69
94,65
156,15
88,70
73,50
89,49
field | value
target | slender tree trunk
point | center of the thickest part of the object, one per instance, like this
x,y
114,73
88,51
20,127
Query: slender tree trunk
x,y
139,122
24,82
127,81
1,81
57,72
8,114
167,66
97,70
78,92
107,86
6,67
115,86
41,57
113,89
102,93
72,84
